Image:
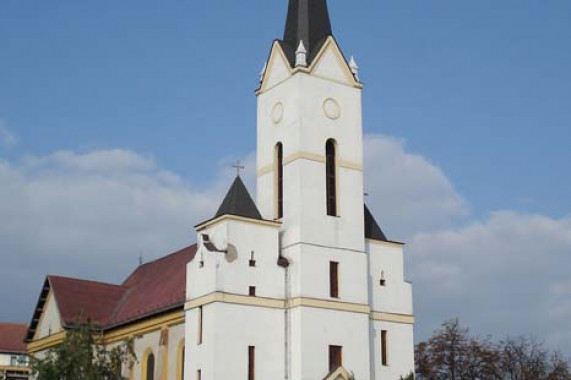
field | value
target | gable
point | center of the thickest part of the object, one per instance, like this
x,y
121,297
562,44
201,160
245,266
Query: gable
x,y
339,374
277,69
330,64
50,319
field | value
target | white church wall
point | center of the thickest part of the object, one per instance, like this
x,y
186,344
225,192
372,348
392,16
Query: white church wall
x,y
309,273
176,338
314,330
142,344
396,295
400,355
235,276
303,131
50,321
228,331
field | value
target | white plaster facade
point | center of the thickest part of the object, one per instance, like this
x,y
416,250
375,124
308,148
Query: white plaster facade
x,y
292,318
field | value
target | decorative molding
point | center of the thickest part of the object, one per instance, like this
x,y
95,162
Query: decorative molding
x,y
330,305
272,303
331,108
47,342
310,157
277,303
148,352
148,326
267,223
276,49
385,243
351,81
278,112
340,58
393,318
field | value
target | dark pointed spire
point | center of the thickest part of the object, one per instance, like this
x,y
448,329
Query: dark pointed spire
x,y
372,228
238,202
307,21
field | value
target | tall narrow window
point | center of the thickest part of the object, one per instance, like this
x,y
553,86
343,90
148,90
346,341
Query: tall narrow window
x,y
334,279
251,362
199,375
335,357
200,322
280,180
331,177
384,348
150,367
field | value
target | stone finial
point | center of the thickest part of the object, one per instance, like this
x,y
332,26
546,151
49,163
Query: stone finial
x,y
354,67
301,55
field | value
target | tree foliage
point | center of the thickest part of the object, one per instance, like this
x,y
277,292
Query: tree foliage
x,y
453,354
81,357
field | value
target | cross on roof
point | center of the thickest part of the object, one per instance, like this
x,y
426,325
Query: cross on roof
x,y
238,167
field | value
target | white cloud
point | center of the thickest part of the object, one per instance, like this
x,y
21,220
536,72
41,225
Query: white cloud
x,y
91,214
407,193
506,275
7,138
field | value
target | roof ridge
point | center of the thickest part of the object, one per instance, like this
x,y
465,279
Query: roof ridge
x,y
156,261
84,280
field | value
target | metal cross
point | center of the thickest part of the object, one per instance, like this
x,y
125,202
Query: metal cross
x,y
238,167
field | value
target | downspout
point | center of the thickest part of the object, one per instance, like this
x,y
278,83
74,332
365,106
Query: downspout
x,y
284,263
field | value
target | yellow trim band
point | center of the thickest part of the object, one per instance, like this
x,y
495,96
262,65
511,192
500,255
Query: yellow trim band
x,y
276,303
151,325
310,157
267,223
47,342
392,317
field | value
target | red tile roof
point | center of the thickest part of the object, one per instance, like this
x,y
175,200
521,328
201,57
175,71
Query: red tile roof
x,y
152,288
12,338
89,299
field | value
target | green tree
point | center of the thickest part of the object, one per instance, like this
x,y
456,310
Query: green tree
x,y
81,357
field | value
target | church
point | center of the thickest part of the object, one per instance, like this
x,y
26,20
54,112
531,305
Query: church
x,y
301,284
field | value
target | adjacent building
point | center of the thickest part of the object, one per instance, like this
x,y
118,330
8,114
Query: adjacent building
x,y
13,353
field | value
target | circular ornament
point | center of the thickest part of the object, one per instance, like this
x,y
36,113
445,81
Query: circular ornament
x,y
278,112
331,108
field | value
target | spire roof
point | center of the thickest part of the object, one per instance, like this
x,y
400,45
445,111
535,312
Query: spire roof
x,y
238,202
372,228
307,21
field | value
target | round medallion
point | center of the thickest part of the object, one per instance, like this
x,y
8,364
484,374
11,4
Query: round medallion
x,y
331,108
278,112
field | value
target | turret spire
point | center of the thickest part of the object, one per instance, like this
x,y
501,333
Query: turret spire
x,y
307,21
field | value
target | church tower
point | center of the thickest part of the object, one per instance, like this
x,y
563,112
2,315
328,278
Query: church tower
x,y
304,285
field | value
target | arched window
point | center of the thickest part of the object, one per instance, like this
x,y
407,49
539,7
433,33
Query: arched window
x,y
148,368
331,177
279,160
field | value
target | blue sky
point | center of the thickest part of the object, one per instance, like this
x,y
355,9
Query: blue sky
x,y
480,91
